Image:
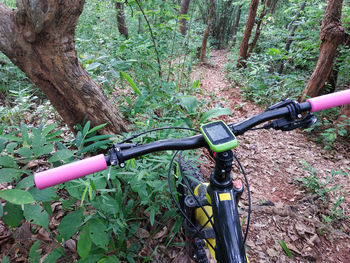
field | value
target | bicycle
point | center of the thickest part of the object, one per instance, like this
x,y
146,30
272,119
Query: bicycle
x,y
210,209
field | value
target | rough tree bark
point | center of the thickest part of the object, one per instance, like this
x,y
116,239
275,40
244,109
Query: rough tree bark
x,y
242,55
202,57
291,36
38,37
235,27
183,11
122,28
332,33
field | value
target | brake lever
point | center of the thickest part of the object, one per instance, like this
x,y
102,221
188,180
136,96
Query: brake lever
x,y
284,124
280,104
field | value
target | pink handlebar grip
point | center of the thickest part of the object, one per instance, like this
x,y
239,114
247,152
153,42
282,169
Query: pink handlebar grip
x,y
330,100
70,171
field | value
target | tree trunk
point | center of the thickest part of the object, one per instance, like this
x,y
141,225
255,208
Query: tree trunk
x,y
235,27
202,57
291,36
122,28
273,6
331,36
258,28
183,11
242,55
38,37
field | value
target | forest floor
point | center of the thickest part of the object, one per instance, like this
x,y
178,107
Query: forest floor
x,y
282,209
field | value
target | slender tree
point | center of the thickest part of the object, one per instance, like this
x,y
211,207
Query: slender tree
x,y
122,28
242,55
202,56
183,11
332,33
38,37
291,35
272,6
235,26
258,27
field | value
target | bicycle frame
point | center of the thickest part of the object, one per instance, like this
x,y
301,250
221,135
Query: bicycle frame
x,y
223,198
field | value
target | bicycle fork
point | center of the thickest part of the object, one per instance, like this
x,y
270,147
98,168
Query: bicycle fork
x,y
220,199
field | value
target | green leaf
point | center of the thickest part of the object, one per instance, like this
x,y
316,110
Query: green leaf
x,y
78,139
13,215
54,255
1,210
70,224
61,155
2,144
18,197
215,112
94,146
9,174
84,242
48,129
286,249
130,81
34,254
37,214
26,182
98,233
98,138
86,128
11,147
25,136
45,195
5,260
42,149
152,217
7,161
190,103
97,128
47,207
25,152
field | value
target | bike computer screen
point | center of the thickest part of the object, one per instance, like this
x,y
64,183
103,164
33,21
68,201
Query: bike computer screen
x,y
218,136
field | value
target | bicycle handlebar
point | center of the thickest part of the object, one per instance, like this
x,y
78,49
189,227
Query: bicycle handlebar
x,y
330,100
98,163
70,171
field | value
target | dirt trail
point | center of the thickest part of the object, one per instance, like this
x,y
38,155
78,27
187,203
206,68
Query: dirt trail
x,y
282,209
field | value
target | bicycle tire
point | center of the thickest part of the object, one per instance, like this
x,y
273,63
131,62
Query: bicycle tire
x,y
194,245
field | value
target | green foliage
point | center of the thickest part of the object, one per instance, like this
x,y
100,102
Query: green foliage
x,y
325,190
286,249
328,129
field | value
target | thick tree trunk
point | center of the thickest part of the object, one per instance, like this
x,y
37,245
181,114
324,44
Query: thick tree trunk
x,y
332,34
242,55
202,57
183,11
38,37
122,28
291,36
235,27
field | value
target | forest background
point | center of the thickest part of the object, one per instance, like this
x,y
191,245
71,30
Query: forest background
x,y
73,73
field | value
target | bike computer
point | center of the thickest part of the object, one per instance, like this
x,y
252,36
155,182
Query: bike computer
x,y
219,136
